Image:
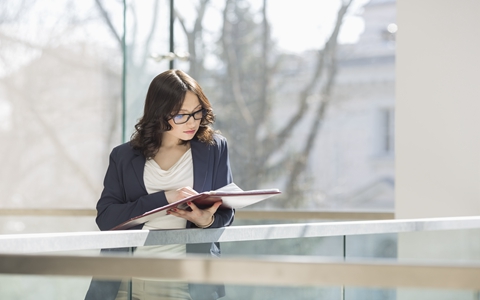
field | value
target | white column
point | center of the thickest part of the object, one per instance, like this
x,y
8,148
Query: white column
x,y
438,128
438,108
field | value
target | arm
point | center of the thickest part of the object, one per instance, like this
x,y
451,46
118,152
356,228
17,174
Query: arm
x,y
113,207
221,177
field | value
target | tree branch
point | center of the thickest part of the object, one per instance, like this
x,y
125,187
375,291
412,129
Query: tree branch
x,y
196,62
107,19
148,42
278,140
293,190
232,67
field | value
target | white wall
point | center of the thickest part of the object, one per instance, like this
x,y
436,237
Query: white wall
x,y
438,108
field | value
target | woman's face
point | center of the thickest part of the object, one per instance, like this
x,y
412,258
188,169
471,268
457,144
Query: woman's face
x,y
185,131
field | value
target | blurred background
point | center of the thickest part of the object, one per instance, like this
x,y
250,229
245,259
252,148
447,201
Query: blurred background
x,y
303,91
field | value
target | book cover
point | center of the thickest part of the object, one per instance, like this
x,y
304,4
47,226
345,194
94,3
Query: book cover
x,y
231,196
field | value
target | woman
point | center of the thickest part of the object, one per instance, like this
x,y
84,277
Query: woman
x,y
172,154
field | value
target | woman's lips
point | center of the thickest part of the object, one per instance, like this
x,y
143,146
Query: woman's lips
x,y
190,131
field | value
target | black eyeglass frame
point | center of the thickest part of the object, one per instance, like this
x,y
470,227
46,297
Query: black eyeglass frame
x,y
192,115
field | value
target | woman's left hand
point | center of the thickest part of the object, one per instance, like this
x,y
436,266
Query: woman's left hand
x,y
200,217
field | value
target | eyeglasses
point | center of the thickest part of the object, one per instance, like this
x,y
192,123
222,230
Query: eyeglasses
x,y
183,118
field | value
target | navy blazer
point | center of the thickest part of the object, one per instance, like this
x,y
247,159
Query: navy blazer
x,y
124,196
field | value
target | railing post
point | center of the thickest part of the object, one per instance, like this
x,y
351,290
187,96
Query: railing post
x,y
342,292
129,285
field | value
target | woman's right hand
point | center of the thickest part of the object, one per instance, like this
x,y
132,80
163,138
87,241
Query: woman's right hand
x,y
181,193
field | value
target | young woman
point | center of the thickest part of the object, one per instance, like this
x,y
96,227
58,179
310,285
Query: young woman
x,y
174,153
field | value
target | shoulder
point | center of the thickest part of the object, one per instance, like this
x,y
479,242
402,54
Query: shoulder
x,y
219,140
219,144
124,151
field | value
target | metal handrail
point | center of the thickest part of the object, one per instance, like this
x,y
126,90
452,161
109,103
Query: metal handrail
x,y
49,242
283,271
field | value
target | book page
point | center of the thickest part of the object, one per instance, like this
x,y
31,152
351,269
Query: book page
x,y
232,187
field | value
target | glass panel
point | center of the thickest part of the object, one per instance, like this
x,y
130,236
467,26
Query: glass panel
x,y
147,48
440,246
60,101
27,287
300,114
371,246
356,293
432,247
276,293
432,294
382,246
46,224
322,246
328,247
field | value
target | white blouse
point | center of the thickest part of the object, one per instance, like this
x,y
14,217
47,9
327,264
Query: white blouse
x,y
156,179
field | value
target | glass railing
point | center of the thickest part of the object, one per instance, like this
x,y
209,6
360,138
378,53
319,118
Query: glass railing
x,y
319,260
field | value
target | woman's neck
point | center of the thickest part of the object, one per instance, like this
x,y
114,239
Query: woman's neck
x,y
169,142
169,153
175,146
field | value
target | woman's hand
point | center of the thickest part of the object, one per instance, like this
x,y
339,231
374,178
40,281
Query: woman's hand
x,y
203,218
181,193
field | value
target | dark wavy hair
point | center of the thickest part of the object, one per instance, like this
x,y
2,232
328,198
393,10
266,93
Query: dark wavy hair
x,y
164,99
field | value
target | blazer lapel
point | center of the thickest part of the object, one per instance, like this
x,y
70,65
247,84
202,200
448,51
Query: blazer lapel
x,y
200,158
138,164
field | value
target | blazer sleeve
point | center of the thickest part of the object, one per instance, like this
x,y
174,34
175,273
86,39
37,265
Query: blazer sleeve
x,y
116,204
222,175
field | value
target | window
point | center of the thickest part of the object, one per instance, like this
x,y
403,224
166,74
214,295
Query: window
x,y
386,145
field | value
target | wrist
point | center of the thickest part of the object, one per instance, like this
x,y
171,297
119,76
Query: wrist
x,y
207,225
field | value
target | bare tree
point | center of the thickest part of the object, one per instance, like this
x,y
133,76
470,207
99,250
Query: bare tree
x,y
326,60
196,46
249,72
40,146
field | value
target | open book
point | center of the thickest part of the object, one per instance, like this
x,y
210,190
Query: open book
x,y
231,195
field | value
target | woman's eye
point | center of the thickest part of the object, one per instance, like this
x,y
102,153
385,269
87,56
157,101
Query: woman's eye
x,y
178,117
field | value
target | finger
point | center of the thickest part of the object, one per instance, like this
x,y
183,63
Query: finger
x,y
187,215
212,209
176,212
187,192
182,194
192,205
190,190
